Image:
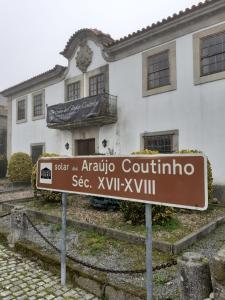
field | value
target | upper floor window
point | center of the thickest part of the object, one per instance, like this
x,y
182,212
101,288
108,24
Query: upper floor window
x,y
209,54
38,105
21,110
96,85
213,54
73,91
159,70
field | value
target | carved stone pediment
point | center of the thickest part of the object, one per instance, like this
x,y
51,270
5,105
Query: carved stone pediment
x,y
84,57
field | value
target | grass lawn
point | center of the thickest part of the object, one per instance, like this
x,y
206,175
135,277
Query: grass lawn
x,y
183,222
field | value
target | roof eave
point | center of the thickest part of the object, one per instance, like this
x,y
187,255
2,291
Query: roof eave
x,y
57,72
194,16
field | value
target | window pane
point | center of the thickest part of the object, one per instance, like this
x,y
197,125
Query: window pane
x,y
21,110
158,70
96,85
38,105
73,91
213,54
161,143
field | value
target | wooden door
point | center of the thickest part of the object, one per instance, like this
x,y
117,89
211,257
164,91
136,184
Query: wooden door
x,y
85,147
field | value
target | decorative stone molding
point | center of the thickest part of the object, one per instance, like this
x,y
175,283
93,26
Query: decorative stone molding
x,y
84,57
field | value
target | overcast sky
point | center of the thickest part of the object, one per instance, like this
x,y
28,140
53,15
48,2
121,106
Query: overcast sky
x,y
33,32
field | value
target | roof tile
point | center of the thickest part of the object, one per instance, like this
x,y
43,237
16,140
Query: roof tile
x,y
162,22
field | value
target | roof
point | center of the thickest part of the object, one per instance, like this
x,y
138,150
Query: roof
x,y
53,73
169,19
107,42
95,34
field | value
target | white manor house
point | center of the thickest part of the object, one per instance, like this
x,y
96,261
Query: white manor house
x,y
162,87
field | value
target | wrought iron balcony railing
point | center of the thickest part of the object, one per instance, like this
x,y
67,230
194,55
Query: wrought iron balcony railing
x,y
90,111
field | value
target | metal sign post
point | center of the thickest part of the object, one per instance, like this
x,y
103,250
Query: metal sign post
x,y
149,277
63,240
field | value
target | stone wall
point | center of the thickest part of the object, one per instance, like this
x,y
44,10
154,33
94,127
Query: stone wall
x,y
201,279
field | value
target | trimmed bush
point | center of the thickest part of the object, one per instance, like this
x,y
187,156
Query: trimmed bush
x,y
46,195
210,177
20,167
3,166
135,212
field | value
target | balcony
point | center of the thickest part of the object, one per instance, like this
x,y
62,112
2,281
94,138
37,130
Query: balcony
x,y
90,111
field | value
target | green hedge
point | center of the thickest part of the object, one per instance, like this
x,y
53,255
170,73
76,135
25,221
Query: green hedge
x,y
135,212
20,167
209,169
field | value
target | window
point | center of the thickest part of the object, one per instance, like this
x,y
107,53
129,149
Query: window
x,y
164,142
36,152
3,140
159,70
73,91
213,54
96,85
209,54
38,105
21,110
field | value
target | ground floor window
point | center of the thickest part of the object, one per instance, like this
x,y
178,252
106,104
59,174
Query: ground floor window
x,y
164,142
3,141
36,152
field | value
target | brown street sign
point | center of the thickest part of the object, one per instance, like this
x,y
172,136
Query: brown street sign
x,y
170,180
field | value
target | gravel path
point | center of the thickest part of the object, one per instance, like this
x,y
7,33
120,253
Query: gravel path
x,y
165,281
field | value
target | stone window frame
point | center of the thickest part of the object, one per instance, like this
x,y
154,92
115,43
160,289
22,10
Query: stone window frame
x,y
198,79
17,103
74,79
41,92
37,144
171,48
101,70
175,133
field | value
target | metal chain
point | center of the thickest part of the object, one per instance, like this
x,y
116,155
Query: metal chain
x,y
5,215
169,264
85,264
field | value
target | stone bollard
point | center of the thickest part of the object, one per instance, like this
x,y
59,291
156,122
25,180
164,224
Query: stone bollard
x,y
217,266
194,276
18,225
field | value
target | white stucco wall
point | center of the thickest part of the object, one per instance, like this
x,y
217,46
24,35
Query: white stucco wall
x,y
31,132
196,111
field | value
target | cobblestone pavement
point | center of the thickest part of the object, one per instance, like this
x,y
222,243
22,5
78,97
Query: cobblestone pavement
x,y
23,279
